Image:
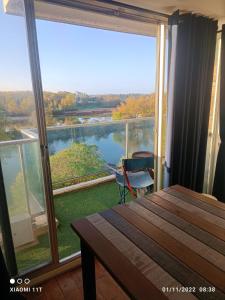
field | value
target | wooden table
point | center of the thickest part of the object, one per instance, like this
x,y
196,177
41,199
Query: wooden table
x,y
168,245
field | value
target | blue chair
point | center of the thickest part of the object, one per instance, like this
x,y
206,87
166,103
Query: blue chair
x,y
136,174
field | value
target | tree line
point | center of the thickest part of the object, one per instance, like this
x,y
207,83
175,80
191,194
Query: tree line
x,y
22,102
137,107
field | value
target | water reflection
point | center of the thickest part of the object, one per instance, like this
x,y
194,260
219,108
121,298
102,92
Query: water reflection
x,y
110,139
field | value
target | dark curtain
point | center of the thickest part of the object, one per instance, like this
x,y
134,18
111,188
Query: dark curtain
x,y
219,180
190,98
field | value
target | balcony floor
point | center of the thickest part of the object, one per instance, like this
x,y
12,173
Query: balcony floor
x,y
68,286
68,207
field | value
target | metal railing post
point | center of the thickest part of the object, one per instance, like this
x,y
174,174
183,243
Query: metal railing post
x,y
24,177
126,138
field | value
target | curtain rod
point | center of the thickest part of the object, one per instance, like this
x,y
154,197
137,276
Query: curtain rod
x,y
125,5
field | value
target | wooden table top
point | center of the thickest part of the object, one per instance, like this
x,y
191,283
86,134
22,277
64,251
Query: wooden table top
x,y
167,245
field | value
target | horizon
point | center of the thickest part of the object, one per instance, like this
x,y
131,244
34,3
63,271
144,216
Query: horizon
x,y
78,58
81,92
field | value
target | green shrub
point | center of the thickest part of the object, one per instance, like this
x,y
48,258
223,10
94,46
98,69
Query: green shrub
x,y
77,161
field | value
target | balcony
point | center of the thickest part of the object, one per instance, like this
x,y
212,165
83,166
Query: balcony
x,y
74,196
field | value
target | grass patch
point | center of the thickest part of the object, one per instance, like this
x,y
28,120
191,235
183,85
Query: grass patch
x,y
71,206
68,207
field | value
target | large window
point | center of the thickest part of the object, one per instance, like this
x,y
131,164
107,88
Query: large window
x,y
19,148
99,95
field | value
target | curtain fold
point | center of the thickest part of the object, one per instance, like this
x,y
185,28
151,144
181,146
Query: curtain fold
x,y
219,179
190,98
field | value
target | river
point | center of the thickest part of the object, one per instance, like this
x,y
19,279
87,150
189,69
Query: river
x,y
110,139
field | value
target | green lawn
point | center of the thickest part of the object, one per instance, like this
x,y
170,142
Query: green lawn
x,y
69,207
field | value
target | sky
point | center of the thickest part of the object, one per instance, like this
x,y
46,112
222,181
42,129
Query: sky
x,y
76,58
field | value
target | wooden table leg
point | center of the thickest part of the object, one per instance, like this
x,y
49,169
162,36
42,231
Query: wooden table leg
x,y
88,271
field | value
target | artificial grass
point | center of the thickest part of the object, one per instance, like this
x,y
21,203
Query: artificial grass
x,y
69,207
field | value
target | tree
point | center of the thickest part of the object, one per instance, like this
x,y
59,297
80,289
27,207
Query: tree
x,y
78,160
3,125
67,101
50,120
135,107
26,105
12,106
71,120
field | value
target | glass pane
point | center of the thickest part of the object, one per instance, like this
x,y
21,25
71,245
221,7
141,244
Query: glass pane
x,y
99,93
19,143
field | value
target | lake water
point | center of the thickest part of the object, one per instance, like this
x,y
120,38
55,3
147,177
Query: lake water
x,y
110,139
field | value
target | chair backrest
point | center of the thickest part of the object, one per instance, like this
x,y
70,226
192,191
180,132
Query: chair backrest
x,y
142,154
138,164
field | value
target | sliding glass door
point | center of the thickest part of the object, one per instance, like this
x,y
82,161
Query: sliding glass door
x,y
99,87
102,100
20,155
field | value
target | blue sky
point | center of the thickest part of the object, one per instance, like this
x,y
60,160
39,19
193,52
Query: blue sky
x,y
76,58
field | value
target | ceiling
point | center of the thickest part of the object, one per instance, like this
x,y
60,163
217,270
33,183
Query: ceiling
x,y
43,10
212,8
63,14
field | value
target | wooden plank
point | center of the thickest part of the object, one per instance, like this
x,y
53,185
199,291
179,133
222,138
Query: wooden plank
x,y
100,271
157,275
36,296
77,278
68,287
189,217
185,275
189,228
76,275
195,201
54,291
109,290
193,209
116,263
198,247
181,252
199,196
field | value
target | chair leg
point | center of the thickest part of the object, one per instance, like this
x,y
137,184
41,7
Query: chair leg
x,y
121,195
122,191
124,195
150,188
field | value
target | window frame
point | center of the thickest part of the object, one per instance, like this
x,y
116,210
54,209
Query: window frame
x,y
103,7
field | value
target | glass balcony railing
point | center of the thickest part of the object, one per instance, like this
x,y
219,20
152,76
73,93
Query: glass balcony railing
x,y
23,183
78,153
81,152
